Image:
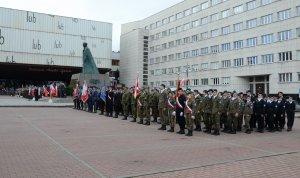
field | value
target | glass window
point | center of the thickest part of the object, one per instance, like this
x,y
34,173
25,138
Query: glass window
x,y
284,35
195,23
225,30
285,77
238,9
194,38
225,80
171,18
186,54
214,49
195,53
196,82
252,60
165,21
283,15
264,2
251,5
178,29
215,2
171,44
267,39
266,19
204,50
195,9
186,40
267,58
226,47
205,5
178,56
238,62
216,81
250,42
178,42
238,44
225,13
215,33
226,63
204,35
179,15
238,27
285,56
187,12
171,57
214,65
172,31
298,10
204,20
214,17
204,81
251,23
204,66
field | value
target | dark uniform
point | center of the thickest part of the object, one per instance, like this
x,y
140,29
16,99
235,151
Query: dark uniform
x,y
154,98
180,105
270,114
258,109
199,111
207,113
280,115
290,108
117,103
163,97
125,103
109,103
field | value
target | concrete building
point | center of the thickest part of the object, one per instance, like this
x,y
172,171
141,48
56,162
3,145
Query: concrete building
x,y
223,44
36,46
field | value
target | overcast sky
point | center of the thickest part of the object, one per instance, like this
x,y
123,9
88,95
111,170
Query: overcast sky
x,y
114,11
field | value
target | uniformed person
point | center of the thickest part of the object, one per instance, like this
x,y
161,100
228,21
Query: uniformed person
x,y
154,98
180,105
216,112
207,111
189,113
280,114
199,106
290,108
171,111
248,111
125,102
270,114
224,102
133,105
258,109
109,102
233,114
117,102
241,109
146,104
163,107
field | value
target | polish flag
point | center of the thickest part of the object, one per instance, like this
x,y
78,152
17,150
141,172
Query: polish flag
x,y
136,88
85,94
52,90
45,91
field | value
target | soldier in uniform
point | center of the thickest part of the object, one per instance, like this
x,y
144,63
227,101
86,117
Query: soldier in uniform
x,y
207,112
216,112
163,107
269,113
224,102
198,110
233,114
154,97
189,113
258,109
290,108
241,109
180,105
125,102
146,105
171,111
280,114
133,102
248,111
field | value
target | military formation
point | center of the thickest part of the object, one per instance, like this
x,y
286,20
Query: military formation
x,y
211,111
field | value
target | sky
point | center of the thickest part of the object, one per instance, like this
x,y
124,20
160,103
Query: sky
x,y
116,12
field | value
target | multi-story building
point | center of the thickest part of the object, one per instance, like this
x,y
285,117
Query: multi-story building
x,y
36,46
223,44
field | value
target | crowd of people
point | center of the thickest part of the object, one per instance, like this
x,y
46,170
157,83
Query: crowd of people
x,y
227,112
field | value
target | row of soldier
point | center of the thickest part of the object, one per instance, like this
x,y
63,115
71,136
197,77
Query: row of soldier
x,y
228,112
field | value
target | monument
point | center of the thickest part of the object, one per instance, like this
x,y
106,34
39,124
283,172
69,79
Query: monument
x,y
90,73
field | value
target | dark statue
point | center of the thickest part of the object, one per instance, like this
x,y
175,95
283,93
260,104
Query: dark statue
x,y
89,65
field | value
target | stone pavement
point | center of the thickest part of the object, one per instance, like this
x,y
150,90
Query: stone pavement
x,y
62,142
9,101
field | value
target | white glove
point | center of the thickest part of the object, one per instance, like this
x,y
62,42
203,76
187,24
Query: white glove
x,y
181,114
173,113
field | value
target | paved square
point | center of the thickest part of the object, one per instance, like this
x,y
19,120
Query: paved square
x,y
62,142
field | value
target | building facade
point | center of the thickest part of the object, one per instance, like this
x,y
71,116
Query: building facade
x,y
49,47
223,44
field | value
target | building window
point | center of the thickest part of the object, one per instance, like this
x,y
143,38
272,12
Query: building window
x,y
195,23
204,66
225,30
195,68
204,50
170,71
186,26
194,38
164,71
186,54
178,56
165,21
214,49
178,42
204,81
284,35
178,29
214,65
205,5
264,2
285,56
158,23
151,72
165,33
164,58
172,31
195,9
267,39
164,46
252,60
204,35
157,36
285,77
225,80
215,33
226,64
299,76
204,20
225,13
171,18
267,58
298,32
151,61
214,17
187,12
298,10
215,2
171,83
238,27
157,60
238,9
250,42
266,19
186,40
171,44
238,44
152,26
216,81
238,62
251,5
225,47
196,82
179,15
283,15
171,57
251,23
195,53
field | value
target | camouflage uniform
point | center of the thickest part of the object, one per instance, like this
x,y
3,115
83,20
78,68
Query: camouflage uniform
x,y
133,102
233,114
189,115
154,104
207,113
240,118
224,102
248,111
216,110
199,111
144,108
163,109
125,103
171,113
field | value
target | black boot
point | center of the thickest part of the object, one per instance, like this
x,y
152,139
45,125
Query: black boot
x,y
233,131
190,133
141,121
171,129
147,123
125,118
154,119
163,127
181,132
248,131
216,132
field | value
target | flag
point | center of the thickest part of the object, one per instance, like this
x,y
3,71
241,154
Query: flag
x,y
56,91
136,88
45,91
103,94
75,92
85,94
52,90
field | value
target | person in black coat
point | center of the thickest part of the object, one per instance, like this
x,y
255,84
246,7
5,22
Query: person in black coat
x,y
280,114
258,109
180,105
269,112
290,107
117,103
109,102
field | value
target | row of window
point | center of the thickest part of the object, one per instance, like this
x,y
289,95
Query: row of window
x,y
236,45
252,23
252,60
282,78
195,9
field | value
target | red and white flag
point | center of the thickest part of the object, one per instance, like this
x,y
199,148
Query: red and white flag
x,y
85,94
45,91
52,90
136,88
